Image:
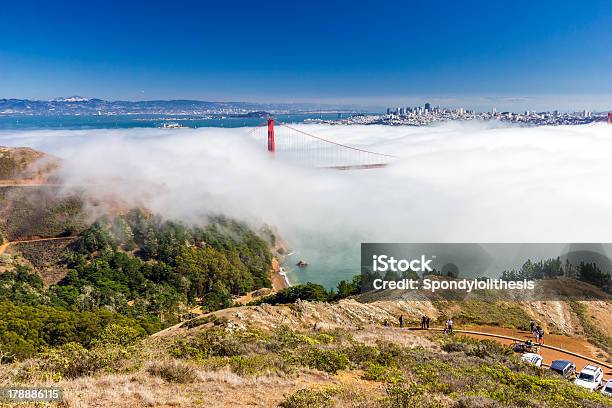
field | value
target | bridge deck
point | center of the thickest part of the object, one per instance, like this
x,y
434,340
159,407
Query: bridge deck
x,y
358,166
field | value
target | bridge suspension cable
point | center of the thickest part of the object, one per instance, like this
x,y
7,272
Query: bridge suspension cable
x,y
312,150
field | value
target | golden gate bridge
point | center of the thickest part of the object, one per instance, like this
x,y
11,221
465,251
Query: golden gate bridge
x,y
311,150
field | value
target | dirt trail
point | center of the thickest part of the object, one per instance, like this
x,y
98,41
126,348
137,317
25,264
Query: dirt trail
x,y
571,344
5,246
27,183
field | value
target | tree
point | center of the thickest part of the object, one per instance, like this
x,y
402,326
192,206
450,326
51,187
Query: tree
x,y
202,267
96,238
218,298
308,291
346,288
590,272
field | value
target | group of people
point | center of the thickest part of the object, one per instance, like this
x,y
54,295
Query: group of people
x,y
536,331
425,322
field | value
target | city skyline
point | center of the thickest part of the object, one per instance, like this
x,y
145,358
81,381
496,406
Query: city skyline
x,y
479,55
78,105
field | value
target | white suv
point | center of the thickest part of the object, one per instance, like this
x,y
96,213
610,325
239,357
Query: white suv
x,y
590,377
532,358
607,389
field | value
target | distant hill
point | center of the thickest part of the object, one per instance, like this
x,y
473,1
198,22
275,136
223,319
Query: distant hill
x,y
76,105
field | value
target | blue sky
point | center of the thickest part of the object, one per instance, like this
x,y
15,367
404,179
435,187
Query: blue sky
x,y
372,53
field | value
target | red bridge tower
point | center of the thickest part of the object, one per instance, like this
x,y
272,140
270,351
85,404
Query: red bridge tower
x,y
271,145
609,118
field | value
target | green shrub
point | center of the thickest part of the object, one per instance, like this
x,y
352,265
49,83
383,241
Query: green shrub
x,y
257,365
73,360
472,401
310,398
283,337
248,365
330,361
377,372
474,347
325,338
409,395
219,342
114,334
200,321
187,349
307,291
360,353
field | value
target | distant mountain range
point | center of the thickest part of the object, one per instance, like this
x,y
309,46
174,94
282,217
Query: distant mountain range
x,y
76,105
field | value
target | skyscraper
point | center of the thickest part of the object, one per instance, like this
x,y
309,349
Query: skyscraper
x,y
427,106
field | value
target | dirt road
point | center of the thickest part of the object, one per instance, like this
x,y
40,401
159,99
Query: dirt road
x,y
569,344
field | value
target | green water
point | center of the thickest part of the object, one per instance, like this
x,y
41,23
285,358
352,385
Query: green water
x,y
330,258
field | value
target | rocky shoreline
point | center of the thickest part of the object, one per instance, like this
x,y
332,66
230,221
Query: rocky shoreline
x,y
278,276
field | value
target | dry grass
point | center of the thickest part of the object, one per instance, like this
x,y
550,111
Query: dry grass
x,y
148,388
137,390
173,371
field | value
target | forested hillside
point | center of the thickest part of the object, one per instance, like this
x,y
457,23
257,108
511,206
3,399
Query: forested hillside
x,y
135,270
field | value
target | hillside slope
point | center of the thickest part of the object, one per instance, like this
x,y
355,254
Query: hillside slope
x,y
271,356
25,165
84,312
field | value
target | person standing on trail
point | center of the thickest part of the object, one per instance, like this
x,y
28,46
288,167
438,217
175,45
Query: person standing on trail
x,y
532,326
541,335
423,319
401,321
536,333
450,325
427,323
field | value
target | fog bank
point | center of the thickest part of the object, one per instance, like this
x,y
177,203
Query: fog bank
x,y
457,182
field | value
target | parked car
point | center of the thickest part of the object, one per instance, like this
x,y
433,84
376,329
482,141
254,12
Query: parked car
x,y
532,358
590,377
564,367
607,389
